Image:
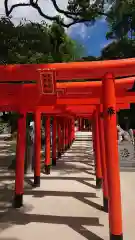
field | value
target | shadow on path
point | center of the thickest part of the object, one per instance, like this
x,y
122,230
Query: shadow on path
x,y
79,159
76,223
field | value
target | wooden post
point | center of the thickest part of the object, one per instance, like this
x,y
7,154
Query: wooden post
x,y
73,129
66,134
97,151
37,143
59,137
20,156
103,159
54,143
112,158
70,132
62,136
47,146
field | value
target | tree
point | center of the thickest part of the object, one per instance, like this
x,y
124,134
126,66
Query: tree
x,y
124,48
121,31
77,11
122,20
7,34
90,58
36,43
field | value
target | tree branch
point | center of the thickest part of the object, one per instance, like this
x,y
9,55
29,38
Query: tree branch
x,y
76,17
8,11
71,14
66,13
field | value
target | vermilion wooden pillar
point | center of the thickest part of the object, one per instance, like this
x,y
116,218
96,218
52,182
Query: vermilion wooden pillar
x,y
93,136
62,136
93,141
59,137
47,146
54,142
69,131
112,158
37,143
103,159
73,129
20,156
97,151
66,134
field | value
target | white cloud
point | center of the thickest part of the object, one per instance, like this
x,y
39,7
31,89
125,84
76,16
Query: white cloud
x,y
82,30
31,14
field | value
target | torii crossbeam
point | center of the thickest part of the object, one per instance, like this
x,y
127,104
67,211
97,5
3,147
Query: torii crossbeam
x,y
60,90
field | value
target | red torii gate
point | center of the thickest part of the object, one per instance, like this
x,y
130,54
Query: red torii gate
x,y
21,90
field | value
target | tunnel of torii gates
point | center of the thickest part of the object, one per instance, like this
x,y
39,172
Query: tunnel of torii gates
x,y
107,87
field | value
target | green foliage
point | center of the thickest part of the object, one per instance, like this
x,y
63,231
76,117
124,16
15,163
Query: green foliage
x,y
122,20
85,9
35,43
124,48
90,58
121,23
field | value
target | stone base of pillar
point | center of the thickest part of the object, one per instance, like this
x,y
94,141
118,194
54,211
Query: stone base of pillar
x,y
116,237
36,181
98,183
105,204
18,201
54,162
47,169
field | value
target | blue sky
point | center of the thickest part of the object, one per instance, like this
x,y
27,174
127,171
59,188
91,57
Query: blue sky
x,y
92,38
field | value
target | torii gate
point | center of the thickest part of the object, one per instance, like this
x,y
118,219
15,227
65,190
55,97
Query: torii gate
x,y
40,88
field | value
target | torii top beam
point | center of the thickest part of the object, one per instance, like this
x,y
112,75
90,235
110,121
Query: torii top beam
x,y
72,70
29,73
